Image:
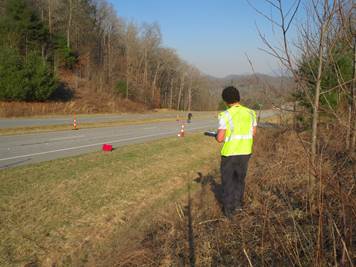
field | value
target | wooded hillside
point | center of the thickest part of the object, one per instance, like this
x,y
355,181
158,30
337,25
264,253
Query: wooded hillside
x,y
87,38
81,49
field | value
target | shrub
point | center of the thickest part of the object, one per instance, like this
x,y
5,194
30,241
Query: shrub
x,y
65,56
121,88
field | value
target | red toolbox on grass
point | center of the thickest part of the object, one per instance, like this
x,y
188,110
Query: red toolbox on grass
x,y
107,147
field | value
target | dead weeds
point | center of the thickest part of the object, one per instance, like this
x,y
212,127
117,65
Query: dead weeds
x,y
283,223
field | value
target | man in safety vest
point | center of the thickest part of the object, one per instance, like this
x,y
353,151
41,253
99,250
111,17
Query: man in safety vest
x,y
237,127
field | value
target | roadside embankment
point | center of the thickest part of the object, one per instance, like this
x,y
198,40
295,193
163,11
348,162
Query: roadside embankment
x,y
294,215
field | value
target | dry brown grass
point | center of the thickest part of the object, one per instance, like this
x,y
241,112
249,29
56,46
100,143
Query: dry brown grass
x,y
103,104
283,224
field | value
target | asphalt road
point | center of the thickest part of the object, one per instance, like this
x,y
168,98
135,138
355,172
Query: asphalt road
x,y
16,150
24,149
68,120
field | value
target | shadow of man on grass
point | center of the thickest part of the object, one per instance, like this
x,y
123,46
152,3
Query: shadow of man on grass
x,y
215,187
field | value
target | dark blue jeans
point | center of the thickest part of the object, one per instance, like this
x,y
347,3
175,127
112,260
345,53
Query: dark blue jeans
x,y
233,172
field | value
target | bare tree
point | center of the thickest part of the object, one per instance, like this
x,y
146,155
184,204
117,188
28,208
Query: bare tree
x,y
324,20
181,87
284,55
352,24
70,11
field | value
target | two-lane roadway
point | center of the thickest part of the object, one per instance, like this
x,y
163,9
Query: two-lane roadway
x,y
16,150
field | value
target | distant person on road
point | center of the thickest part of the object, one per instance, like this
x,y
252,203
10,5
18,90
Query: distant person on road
x,y
190,115
237,127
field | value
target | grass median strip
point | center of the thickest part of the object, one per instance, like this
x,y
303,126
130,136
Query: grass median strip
x,y
52,210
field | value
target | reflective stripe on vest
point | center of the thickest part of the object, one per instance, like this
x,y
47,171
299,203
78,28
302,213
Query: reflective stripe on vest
x,y
239,131
238,137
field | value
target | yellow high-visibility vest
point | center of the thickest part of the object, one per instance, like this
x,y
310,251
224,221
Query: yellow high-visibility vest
x,y
239,130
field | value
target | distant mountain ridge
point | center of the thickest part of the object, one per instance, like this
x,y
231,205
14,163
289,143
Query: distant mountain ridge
x,y
256,89
244,76
256,81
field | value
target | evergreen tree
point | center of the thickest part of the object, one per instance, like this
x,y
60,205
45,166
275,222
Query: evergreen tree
x,y
21,28
65,57
24,74
13,81
338,69
40,81
27,81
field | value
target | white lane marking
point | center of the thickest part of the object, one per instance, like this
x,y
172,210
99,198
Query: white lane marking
x,y
66,138
96,144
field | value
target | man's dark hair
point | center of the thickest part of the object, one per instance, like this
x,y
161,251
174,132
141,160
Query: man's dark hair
x,y
231,95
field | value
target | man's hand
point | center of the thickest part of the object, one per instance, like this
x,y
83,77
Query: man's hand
x,y
212,134
220,136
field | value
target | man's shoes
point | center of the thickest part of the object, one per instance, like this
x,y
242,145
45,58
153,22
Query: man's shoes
x,y
229,214
238,210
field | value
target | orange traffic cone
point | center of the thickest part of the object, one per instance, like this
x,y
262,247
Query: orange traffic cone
x,y
75,123
181,133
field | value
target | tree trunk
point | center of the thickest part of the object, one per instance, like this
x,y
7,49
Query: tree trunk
x,y
190,94
317,95
353,103
154,82
144,76
26,52
50,17
77,27
109,57
180,91
145,72
171,94
69,23
43,45
127,70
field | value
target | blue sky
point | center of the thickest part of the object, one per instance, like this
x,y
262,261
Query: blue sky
x,y
213,35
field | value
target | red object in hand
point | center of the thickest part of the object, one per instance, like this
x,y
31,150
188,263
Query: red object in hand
x,y
107,147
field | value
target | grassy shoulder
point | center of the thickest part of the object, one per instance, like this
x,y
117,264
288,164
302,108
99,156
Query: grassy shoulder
x,y
62,211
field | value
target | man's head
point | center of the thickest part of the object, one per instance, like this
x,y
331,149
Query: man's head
x,y
231,95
